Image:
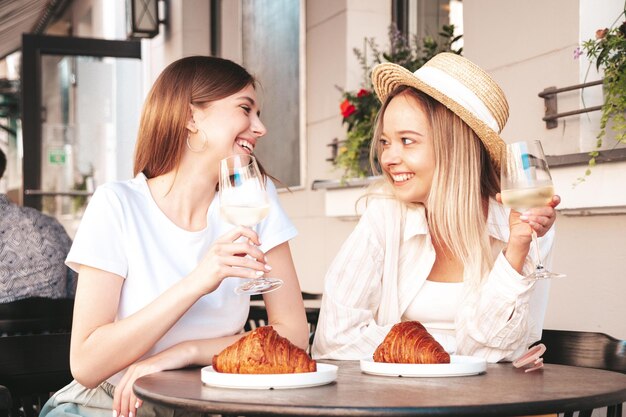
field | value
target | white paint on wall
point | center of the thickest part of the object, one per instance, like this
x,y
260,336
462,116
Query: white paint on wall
x,y
602,192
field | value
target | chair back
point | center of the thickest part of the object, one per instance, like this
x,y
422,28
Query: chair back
x,y
34,364
34,351
589,350
586,349
257,317
5,401
36,315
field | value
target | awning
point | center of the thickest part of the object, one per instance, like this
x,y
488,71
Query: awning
x,y
25,16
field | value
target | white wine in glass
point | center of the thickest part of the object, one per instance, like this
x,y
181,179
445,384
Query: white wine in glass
x,y
243,215
244,202
526,183
525,198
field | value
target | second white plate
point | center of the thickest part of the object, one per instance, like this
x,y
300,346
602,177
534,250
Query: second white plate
x,y
325,374
458,366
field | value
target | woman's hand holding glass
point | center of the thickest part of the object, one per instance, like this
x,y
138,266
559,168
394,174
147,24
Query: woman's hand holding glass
x,y
541,218
521,227
528,190
244,202
235,254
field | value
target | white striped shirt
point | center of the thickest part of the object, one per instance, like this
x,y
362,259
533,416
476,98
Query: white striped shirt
x,y
384,263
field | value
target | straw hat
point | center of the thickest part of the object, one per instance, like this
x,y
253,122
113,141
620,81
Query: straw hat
x,y
461,86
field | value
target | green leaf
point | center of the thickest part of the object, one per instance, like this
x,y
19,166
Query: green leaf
x,y
601,58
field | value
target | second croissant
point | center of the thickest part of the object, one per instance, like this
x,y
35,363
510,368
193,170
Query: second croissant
x,y
410,342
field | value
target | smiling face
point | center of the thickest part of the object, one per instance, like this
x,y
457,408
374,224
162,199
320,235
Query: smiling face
x,y
231,125
407,154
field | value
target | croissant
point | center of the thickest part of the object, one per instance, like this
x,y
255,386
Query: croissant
x,y
410,342
263,351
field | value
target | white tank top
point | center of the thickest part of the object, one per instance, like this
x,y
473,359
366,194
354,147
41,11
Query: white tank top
x,y
435,305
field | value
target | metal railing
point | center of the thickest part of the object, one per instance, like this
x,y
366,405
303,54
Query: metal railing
x,y
549,97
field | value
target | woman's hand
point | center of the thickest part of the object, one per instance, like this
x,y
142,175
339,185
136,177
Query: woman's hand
x,y
125,403
541,219
521,225
227,258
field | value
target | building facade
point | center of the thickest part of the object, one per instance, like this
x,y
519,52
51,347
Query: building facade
x,y
305,53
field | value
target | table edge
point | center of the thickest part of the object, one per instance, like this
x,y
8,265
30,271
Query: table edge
x,y
503,410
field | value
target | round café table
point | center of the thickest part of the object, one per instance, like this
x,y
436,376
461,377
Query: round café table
x,y
502,391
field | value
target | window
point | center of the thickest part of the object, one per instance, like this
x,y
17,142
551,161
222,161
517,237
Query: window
x,y
423,18
271,50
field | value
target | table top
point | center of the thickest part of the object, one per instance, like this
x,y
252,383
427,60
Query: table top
x,y
503,391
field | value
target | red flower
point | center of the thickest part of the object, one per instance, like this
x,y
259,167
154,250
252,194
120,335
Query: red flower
x,y
347,108
601,33
363,92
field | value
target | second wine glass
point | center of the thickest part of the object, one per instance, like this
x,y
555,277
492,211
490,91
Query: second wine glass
x,y
244,202
526,183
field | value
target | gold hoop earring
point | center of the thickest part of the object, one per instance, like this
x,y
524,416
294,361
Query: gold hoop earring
x,y
205,142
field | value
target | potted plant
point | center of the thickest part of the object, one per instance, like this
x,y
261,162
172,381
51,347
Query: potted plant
x,y
359,108
608,50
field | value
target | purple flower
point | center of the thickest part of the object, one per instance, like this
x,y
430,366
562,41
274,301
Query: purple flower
x,y
577,52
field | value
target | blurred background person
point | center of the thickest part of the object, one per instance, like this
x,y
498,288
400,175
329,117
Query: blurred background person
x,y
33,247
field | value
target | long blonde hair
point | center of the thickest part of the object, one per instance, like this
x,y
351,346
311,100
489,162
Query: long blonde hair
x,y
463,181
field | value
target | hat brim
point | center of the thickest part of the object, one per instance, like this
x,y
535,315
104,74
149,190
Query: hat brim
x,y
387,77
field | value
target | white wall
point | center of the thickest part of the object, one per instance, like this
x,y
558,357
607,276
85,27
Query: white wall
x,y
591,250
186,34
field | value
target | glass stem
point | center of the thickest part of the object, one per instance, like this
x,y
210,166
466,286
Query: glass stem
x,y
539,266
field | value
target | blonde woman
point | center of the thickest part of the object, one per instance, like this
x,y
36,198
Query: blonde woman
x,y
434,243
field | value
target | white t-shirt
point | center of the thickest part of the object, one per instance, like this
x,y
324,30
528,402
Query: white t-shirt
x,y
123,231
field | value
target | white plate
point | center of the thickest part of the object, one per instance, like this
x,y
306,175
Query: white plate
x,y
325,374
458,366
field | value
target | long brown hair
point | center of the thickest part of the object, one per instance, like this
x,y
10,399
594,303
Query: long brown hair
x,y
464,180
195,80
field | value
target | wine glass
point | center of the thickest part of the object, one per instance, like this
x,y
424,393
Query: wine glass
x,y
244,202
526,183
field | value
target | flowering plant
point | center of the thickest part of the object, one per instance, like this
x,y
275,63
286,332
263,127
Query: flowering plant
x,y
359,108
358,111
608,49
